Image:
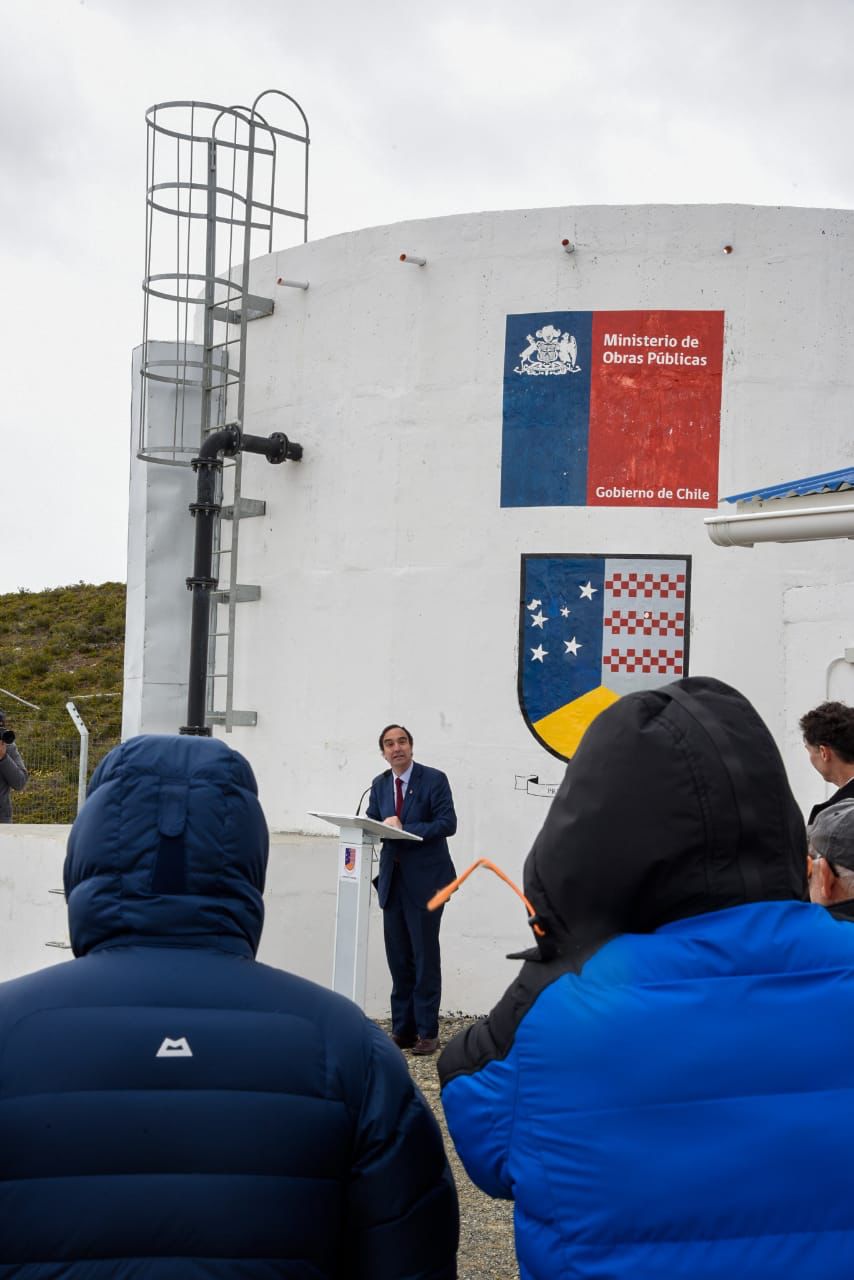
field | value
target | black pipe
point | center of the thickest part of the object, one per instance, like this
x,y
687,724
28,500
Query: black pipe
x,y
227,441
276,447
205,511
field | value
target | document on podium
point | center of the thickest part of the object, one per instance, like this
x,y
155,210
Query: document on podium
x,y
369,825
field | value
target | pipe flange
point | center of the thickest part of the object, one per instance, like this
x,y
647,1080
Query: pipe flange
x,y
279,451
287,451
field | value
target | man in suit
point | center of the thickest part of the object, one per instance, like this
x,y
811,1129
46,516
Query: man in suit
x,y
414,798
829,739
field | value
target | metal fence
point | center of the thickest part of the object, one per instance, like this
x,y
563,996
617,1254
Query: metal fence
x,y
50,750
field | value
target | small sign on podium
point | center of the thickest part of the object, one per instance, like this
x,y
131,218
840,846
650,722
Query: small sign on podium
x,y
357,839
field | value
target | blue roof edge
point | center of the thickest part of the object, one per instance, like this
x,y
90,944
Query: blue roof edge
x,y
827,482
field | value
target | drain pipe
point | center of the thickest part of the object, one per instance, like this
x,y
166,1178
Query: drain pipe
x,y
226,442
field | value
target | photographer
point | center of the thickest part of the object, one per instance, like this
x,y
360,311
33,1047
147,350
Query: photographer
x,y
13,772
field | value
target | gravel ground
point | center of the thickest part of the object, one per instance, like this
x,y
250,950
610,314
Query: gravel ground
x,y
486,1225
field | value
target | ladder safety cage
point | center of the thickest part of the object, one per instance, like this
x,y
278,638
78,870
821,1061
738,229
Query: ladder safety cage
x,y
222,184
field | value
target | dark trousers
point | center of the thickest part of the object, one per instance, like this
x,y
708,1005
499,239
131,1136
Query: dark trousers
x,y
412,949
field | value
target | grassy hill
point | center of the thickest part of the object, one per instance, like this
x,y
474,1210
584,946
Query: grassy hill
x,y
55,646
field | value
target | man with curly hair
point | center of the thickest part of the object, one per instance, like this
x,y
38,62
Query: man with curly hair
x,y
829,739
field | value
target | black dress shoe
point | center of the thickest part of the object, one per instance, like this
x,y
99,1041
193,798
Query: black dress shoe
x,y
404,1040
424,1045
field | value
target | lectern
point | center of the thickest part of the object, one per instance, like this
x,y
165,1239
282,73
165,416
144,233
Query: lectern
x,y
356,840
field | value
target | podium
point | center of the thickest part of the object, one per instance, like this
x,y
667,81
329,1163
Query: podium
x,y
357,838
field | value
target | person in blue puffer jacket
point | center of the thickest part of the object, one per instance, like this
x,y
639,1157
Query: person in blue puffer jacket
x,y
169,1106
667,1089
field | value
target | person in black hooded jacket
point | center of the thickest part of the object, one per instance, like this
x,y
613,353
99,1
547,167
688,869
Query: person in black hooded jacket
x,y
169,1107
650,1089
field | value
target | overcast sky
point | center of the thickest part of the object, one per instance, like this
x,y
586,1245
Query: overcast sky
x,y
415,111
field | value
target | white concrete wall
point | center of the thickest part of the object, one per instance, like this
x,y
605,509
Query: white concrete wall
x,y
299,902
160,559
32,905
389,572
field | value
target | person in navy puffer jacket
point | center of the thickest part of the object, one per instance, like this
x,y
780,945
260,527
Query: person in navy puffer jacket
x,y
169,1107
667,1089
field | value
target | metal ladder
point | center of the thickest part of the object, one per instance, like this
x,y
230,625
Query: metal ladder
x,y
217,171
226,599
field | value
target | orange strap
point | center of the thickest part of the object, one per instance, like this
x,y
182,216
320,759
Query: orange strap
x,y
439,899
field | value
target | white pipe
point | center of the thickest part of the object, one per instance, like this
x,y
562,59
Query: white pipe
x,y
84,752
416,262
9,694
292,284
804,524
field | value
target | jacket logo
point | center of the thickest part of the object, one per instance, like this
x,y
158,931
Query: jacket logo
x,y
592,628
174,1049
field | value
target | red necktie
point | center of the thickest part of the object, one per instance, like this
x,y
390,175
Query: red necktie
x,y
398,804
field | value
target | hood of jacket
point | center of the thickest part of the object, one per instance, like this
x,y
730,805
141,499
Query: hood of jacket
x,y
170,848
676,803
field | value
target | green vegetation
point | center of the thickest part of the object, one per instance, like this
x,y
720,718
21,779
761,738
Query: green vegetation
x,y
55,646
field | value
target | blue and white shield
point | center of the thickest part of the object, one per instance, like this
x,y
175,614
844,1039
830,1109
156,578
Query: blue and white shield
x,y
592,628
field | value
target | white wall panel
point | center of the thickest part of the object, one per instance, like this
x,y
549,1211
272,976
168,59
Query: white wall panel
x,y
390,573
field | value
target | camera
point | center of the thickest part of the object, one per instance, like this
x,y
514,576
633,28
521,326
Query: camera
x,y
7,736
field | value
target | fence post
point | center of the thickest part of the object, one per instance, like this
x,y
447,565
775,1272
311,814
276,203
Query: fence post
x,y
84,752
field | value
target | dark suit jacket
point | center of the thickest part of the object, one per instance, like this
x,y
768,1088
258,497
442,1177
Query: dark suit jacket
x,y
428,811
845,792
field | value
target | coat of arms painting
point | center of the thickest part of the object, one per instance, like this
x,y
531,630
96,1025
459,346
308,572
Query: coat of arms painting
x,y
592,628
